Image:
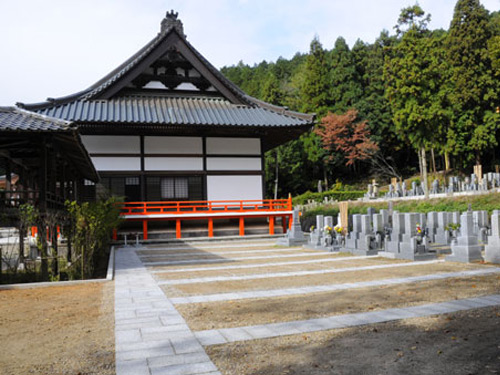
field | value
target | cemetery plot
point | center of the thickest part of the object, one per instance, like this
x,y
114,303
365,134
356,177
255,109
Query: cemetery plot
x,y
402,270
459,343
289,309
323,265
235,313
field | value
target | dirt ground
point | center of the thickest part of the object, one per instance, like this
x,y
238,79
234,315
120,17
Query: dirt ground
x,y
238,313
58,330
462,343
183,290
272,269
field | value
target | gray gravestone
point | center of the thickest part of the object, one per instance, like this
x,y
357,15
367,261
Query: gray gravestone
x,y
492,249
465,248
442,235
294,236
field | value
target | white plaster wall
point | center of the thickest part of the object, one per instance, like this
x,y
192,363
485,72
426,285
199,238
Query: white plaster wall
x,y
234,164
234,187
112,144
173,145
117,163
173,164
233,146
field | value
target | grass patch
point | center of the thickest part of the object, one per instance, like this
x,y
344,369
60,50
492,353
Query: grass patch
x,y
487,202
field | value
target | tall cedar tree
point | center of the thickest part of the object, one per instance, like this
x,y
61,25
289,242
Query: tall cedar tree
x,y
474,96
345,86
345,134
315,86
414,85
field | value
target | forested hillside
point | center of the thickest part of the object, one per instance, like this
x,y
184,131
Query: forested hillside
x,y
416,99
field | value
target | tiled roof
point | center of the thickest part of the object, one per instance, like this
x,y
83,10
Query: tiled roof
x,y
14,119
170,111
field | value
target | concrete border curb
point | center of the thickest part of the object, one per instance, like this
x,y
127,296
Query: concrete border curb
x,y
47,284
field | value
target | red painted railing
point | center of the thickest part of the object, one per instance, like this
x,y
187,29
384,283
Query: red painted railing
x,y
209,210
204,207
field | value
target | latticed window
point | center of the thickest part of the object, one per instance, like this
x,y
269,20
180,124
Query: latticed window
x,y
174,188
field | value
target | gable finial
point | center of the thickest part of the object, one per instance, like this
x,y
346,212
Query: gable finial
x,y
171,21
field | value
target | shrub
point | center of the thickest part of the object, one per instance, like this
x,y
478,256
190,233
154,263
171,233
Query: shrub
x,y
93,225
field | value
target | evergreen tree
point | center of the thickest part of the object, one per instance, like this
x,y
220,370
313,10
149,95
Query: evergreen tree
x,y
474,96
314,90
345,88
414,82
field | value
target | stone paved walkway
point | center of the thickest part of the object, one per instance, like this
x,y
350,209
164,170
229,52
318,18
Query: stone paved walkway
x,y
270,293
193,253
201,260
227,335
151,336
269,264
292,274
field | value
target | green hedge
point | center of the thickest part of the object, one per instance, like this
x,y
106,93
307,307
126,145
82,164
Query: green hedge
x,y
488,202
320,197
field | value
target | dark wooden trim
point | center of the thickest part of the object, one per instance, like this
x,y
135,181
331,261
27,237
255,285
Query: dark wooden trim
x,y
100,155
234,156
178,173
142,180
205,181
235,173
263,169
173,155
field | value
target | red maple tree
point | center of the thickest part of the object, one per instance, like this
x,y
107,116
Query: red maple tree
x,y
344,134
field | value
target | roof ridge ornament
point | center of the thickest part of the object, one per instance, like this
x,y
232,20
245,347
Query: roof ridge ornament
x,y
171,21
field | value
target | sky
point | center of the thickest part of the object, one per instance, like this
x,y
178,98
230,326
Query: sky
x,y
53,48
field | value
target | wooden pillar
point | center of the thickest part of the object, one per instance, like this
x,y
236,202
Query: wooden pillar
x,y
271,225
115,234
283,224
290,221
210,227
8,180
178,233
144,229
242,226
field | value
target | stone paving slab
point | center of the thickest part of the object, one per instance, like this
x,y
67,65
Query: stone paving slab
x,y
328,288
201,260
291,274
151,337
347,320
202,247
270,264
218,253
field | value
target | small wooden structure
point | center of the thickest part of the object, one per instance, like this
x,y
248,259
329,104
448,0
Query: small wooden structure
x,y
47,157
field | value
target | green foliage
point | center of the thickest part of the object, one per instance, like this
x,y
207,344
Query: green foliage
x,y
315,86
94,223
474,94
331,194
487,202
415,88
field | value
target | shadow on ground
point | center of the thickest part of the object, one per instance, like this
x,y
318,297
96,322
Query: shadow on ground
x,y
461,343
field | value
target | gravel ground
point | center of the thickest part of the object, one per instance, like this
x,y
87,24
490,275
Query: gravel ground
x,y
58,330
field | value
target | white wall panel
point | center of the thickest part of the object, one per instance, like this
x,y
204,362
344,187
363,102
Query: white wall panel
x,y
173,164
234,164
233,146
117,163
234,187
173,145
112,144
